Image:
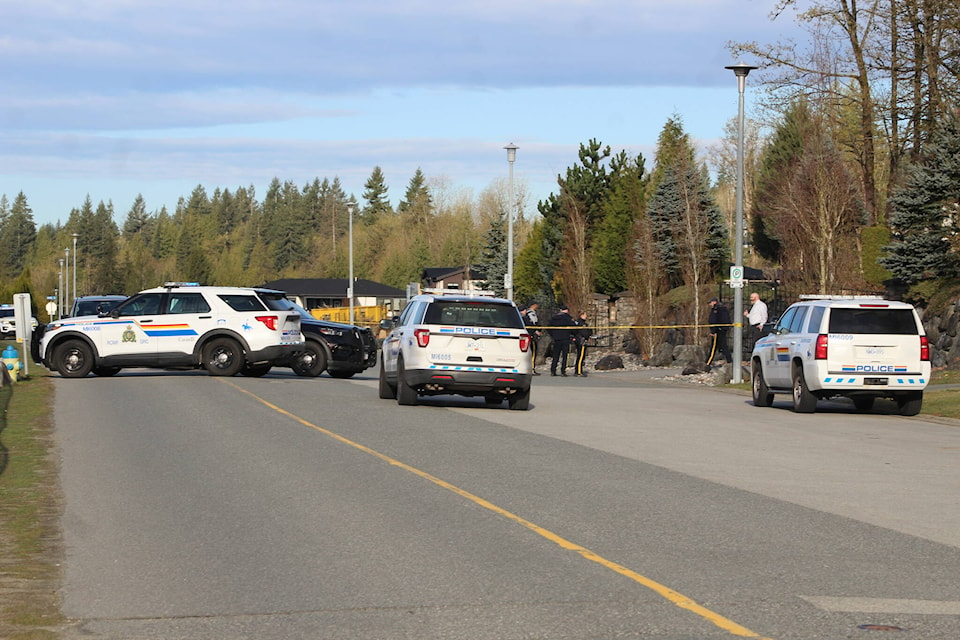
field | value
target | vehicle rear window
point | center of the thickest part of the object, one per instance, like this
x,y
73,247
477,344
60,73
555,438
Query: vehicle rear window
x,y
277,301
474,314
893,321
242,301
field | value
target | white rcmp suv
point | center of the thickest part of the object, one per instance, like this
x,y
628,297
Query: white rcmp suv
x,y
453,341
854,346
225,330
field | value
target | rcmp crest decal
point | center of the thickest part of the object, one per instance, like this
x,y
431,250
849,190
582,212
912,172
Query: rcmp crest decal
x,y
129,335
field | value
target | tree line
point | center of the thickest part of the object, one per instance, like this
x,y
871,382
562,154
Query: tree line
x,y
852,183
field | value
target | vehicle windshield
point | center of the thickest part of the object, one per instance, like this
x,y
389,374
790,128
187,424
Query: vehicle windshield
x,y
290,305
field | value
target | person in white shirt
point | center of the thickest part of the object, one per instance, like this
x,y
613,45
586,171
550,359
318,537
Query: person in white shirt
x,y
757,316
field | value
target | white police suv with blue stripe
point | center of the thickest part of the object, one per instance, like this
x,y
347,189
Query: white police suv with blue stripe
x,y
225,330
452,341
854,346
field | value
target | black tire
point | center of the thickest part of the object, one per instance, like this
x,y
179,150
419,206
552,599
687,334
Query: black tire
x,y
342,373
387,391
312,361
863,403
223,357
106,372
406,395
803,400
761,393
256,371
73,359
910,403
520,401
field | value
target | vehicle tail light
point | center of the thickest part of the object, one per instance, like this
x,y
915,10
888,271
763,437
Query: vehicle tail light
x,y
524,342
821,350
269,321
422,336
924,348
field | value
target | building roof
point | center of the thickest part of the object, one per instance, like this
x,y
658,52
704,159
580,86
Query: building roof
x,y
334,287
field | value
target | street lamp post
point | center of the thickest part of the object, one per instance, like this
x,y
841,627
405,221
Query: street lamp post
x,y
508,278
741,70
60,290
350,236
66,275
74,236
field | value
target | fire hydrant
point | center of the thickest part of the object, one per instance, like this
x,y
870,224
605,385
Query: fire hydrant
x,y
11,360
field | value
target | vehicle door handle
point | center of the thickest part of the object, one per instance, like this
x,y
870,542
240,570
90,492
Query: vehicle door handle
x,y
208,317
145,321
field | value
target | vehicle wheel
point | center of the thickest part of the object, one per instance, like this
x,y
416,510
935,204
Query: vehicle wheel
x,y
106,372
520,401
863,403
803,400
73,359
222,357
342,373
311,362
256,371
909,403
406,394
761,393
387,392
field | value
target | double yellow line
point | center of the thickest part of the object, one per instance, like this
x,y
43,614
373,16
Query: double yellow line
x,y
666,592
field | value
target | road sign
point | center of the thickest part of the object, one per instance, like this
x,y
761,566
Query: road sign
x,y
736,276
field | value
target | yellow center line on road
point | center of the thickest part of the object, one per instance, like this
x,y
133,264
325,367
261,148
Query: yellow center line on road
x,y
666,592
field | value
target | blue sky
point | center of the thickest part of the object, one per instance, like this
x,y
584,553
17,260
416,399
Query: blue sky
x,y
111,98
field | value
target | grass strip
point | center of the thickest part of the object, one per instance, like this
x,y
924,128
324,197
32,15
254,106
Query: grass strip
x,y
31,552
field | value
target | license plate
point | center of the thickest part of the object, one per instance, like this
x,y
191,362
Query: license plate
x,y
875,381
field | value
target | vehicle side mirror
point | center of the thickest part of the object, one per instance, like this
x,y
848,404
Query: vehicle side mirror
x,y
388,323
114,313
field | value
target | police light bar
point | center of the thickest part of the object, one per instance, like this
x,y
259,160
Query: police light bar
x,y
461,292
170,285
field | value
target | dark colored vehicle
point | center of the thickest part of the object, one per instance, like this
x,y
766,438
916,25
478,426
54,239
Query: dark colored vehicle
x,y
341,350
95,305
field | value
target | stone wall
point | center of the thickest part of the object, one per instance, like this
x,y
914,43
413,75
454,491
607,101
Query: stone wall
x,y
942,330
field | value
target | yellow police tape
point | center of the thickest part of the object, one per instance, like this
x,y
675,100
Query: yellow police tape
x,y
636,326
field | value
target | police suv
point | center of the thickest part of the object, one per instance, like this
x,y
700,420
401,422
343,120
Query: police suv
x,y
452,341
225,330
859,347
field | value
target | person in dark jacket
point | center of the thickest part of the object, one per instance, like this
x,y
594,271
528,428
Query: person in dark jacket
x,y
559,331
578,342
719,322
532,321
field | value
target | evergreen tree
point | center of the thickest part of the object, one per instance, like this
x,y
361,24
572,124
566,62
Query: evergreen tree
x,y
493,261
625,202
924,208
17,235
376,203
417,205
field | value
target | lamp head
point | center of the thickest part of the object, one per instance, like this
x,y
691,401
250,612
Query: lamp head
x,y
741,69
511,152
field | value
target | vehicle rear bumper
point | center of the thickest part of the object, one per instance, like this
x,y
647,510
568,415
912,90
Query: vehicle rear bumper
x,y
275,354
467,380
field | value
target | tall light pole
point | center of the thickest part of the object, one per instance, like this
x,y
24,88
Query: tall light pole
x,y
74,236
350,236
60,290
66,275
741,70
508,278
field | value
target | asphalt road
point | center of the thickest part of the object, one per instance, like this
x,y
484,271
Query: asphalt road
x,y
285,507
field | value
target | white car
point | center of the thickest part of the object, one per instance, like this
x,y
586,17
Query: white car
x,y
854,346
8,323
457,342
225,330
